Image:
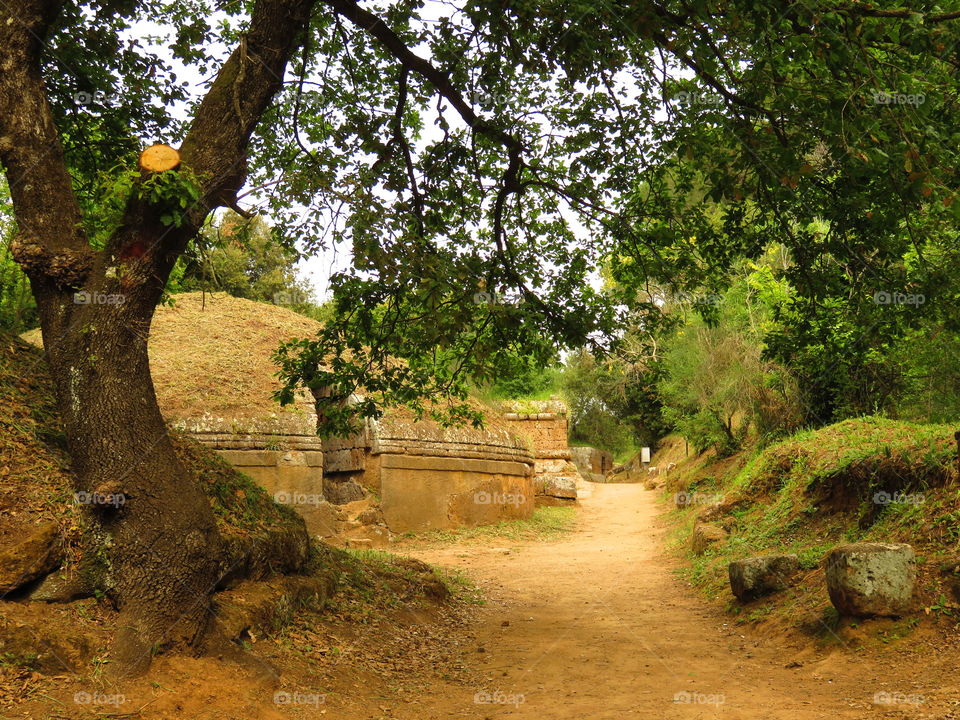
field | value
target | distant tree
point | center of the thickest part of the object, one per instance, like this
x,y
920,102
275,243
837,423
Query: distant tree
x,y
614,401
717,386
240,257
837,139
524,378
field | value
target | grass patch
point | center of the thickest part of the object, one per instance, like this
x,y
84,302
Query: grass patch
x,y
546,523
373,582
461,587
818,489
35,481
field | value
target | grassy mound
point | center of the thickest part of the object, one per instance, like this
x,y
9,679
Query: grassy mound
x,y
261,537
36,484
239,503
35,481
868,479
842,467
210,354
546,523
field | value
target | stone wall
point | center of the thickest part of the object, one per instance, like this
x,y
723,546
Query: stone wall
x,y
426,477
282,453
545,425
423,492
429,477
591,460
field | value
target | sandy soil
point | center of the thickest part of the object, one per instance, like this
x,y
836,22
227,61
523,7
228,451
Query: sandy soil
x,y
597,625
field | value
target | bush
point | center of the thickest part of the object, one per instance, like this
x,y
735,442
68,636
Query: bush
x,y
717,386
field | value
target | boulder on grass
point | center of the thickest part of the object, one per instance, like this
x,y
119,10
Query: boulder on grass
x,y
867,579
755,577
722,507
705,535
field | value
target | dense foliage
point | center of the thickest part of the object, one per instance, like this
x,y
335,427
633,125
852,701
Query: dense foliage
x,y
480,183
835,136
240,257
18,310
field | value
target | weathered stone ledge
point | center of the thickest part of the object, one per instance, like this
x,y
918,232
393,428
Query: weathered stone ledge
x,y
224,441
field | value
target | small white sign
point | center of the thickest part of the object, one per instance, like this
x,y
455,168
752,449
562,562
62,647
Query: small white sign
x,y
645,455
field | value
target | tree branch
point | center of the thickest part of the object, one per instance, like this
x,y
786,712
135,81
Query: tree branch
x,y
216,146
51,243
374,26
903,13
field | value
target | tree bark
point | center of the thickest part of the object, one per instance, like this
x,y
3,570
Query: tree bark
x,y
156,547
159,552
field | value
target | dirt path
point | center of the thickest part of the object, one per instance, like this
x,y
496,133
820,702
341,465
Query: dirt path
x,y
594,625
597,625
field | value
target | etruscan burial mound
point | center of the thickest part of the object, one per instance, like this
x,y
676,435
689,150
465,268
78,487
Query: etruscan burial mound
x,y
211,359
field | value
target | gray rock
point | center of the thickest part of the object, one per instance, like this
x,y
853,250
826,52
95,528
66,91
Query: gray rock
x,y
755,577
866,579
591,460
342,492
371,516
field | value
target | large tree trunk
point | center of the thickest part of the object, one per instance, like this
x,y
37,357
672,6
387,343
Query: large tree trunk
x,y
159,553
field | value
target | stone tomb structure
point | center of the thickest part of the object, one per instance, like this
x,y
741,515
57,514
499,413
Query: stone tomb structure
x,y
545,424
594,464
430,477
422,475
212,368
